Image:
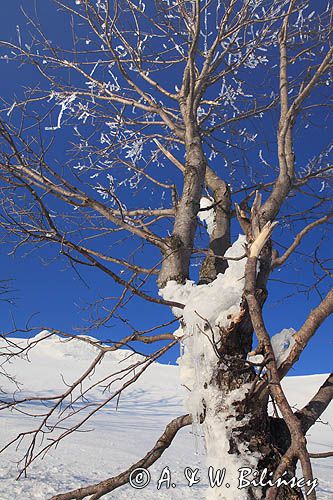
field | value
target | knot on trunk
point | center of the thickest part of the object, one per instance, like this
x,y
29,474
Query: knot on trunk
x,y
174,242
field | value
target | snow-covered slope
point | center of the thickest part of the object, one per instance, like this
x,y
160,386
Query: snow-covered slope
x,y
124,433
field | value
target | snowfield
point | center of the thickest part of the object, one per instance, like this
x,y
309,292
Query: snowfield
x,y
119,434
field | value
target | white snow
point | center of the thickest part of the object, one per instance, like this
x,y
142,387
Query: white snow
x,y
216,301
282,344
207,216
122,436
219,426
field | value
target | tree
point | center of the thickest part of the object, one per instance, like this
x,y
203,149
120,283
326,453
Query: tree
x,y
181,116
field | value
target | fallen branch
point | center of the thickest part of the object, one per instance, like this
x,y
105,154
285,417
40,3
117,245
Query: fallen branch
x,y
99,489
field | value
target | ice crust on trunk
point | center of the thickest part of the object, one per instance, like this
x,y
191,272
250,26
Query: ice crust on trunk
x,y
209,307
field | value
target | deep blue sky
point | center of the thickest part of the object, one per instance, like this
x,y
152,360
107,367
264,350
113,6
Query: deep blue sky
x,y
45,284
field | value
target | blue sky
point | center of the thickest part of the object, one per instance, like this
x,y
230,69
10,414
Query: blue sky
x,y
47,290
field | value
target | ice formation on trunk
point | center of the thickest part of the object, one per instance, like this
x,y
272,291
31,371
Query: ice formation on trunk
x,y
208,307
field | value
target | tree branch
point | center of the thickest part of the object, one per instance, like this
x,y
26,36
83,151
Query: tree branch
x,y
316,317
318,404
281,260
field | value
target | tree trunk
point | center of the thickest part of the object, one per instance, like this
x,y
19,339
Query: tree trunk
x,y
237,430
176,263
254,439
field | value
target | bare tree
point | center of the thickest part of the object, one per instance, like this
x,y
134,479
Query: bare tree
x,y
183,115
